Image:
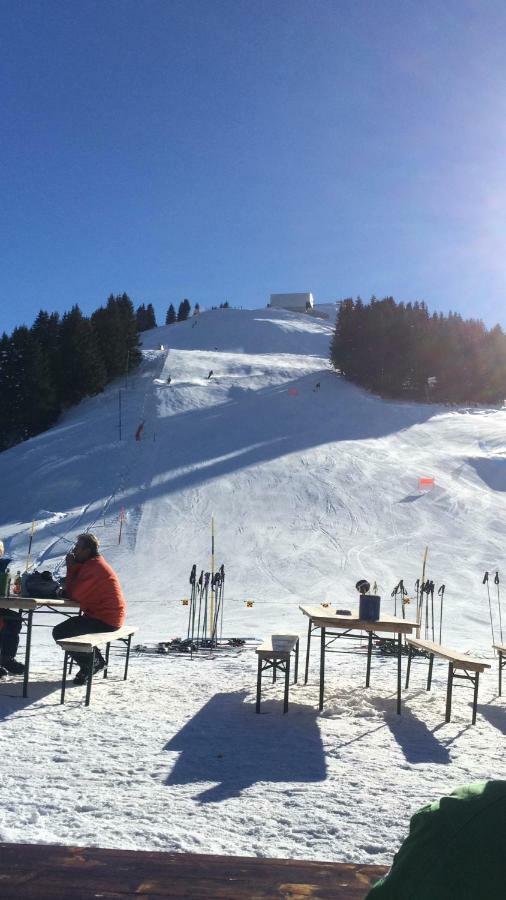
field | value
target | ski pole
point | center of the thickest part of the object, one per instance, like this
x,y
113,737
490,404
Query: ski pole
x,y
441,592
431,589
417,593
425,589
222,572
193,574
206,592
485,581
404,594
497,584
394,595
201,578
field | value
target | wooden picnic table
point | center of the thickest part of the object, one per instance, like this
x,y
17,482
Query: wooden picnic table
x,y
49,872
28,606
325,618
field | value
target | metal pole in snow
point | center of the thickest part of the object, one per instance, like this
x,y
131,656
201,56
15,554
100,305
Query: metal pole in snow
x,y
211,606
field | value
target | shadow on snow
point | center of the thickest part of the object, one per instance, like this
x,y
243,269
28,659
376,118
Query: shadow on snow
x,y
227,743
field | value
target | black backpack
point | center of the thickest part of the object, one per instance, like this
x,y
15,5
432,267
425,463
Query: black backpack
x,y
40,584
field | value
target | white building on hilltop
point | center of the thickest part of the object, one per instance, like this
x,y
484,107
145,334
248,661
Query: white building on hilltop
x,y
294,302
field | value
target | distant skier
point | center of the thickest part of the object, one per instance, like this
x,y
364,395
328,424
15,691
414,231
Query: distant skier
x,y
169,379
317,386
139,431
211,373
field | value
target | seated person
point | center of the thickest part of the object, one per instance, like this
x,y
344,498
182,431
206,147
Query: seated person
x,y
92,583
10,626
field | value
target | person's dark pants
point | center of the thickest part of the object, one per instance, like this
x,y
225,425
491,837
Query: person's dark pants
x,y
81,625
10,626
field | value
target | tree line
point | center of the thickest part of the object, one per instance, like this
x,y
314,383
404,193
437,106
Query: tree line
x,y
59,361
400,350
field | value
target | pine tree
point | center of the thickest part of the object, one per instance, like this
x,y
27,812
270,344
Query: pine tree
x,y
150,317
183,311
82,370
141,318
170,318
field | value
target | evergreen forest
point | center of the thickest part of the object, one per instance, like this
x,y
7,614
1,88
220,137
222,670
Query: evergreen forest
x,y
59,361
400,350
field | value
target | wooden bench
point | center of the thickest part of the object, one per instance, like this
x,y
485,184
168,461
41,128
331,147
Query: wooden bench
x,y
88,643
275,654
49,872
456,661
501,649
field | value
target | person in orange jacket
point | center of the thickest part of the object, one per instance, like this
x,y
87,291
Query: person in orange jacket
x,y
92,583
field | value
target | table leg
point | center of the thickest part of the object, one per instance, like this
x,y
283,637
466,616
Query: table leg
x,y
369,655
259,683
429,676
307,650
322,666
287,684
399,672
129,641
28,647
475,698
449,693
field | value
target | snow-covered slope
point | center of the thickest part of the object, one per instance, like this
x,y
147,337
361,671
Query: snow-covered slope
x,y
310,489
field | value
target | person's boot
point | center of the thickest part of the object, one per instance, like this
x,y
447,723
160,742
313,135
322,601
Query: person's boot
x,y
12,665
3,672
82,675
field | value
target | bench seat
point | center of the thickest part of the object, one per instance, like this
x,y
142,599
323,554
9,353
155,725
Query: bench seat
x,y
274,653
457,661
88,643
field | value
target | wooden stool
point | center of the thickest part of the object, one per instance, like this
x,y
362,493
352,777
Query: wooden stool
x,y
275,654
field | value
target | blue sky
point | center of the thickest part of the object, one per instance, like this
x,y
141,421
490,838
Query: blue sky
x,y
226,149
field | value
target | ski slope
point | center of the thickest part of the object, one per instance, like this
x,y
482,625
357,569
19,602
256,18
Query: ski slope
x,y
311,489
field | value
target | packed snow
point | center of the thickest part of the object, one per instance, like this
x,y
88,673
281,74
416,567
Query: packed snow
x,y
311,489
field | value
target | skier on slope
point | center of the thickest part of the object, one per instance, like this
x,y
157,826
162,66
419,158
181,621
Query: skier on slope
x,y
211,373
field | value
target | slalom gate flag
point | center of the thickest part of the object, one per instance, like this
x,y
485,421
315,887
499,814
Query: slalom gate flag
x,y
293,392
426,482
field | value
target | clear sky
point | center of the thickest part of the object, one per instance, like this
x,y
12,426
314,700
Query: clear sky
x,y
226,149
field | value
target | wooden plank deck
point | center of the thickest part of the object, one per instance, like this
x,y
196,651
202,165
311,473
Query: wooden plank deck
x,y
48,872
